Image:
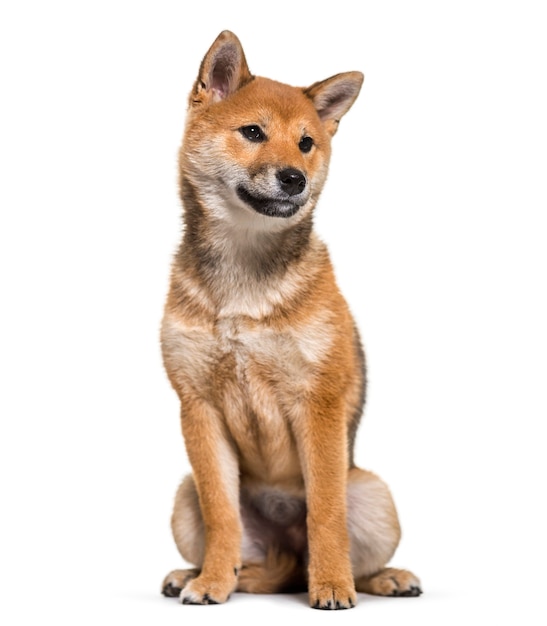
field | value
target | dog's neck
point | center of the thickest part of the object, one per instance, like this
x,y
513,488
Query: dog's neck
x,y
245,264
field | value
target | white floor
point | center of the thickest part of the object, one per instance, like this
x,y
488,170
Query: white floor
x,y
140,607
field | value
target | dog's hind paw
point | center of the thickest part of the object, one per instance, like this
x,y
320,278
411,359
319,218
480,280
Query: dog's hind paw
x,y
176,580
391,582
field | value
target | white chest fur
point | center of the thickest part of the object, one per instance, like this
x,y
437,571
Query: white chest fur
x,y
256,376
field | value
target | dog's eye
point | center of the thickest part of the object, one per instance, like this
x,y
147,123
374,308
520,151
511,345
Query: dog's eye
x,y
253,133
305,144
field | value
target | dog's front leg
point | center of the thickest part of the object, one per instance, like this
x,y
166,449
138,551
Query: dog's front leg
x,y
322,435
215,469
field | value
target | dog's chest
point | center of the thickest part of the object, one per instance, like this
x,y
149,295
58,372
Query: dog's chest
x,y
261,373
237,350
257,373
256,376
257,351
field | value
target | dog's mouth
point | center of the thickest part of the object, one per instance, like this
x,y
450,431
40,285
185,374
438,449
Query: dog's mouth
x,y
272,207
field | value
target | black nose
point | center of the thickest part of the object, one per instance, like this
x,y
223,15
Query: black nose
x,y
292,181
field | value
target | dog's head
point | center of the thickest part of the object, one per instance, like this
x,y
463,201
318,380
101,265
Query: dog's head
x,y
255,146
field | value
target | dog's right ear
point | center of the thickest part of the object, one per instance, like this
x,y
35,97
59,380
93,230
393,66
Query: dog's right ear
x,y
223,70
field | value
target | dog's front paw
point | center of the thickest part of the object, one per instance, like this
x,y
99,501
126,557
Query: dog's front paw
x,y
203,590
332,596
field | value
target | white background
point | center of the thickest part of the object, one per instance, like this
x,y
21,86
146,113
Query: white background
x,y
434,214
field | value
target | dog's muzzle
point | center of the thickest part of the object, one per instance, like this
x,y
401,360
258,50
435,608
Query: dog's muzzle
x,y
288,198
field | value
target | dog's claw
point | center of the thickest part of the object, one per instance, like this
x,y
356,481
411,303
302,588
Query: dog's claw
x,y
413,592
335,602
205,599
170,591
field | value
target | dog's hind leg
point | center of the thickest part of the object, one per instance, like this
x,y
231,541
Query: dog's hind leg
x,y
374,533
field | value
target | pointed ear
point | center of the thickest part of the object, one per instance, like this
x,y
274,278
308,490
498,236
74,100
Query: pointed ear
x,y
334,96
222,71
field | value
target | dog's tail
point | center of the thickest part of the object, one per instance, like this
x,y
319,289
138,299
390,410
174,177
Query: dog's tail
x,y
279,572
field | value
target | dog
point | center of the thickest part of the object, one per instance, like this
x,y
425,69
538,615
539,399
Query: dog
x,y
263,352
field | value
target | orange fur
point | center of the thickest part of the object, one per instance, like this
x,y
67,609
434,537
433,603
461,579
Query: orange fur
x,y
260,346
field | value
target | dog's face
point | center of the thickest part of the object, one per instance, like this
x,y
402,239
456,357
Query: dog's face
x,y
264,146
255,147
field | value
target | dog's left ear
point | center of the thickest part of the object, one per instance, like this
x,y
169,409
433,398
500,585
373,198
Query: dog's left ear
x,y
334,96
223,71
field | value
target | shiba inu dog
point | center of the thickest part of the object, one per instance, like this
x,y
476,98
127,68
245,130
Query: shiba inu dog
x,y
264,355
